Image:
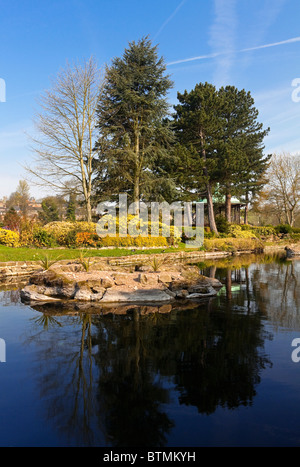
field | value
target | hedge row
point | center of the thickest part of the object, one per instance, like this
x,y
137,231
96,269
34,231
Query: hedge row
x,y
77,235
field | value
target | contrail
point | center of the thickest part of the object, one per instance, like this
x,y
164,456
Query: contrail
x,y
274,44
201,57
265,46
169,19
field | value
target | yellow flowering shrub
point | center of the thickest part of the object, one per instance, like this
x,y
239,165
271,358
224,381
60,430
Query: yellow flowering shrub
x,y
133,225
85,233
9,238
129,241
231,244
61,230
235,231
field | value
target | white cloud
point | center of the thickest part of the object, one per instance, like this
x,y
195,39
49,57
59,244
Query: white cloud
x,y
223,38
264,18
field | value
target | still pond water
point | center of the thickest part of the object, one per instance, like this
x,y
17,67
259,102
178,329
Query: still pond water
x,y
216,373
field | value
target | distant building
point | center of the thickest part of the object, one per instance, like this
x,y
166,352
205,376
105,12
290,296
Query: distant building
x,y
33,208
219,207
2,208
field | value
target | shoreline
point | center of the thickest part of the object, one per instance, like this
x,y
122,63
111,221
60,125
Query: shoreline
x,y
145,279
26,268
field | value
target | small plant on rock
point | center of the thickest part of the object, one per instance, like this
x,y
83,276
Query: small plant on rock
x,y
85,262
47,262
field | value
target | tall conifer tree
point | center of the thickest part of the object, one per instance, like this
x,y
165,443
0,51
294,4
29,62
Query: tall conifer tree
x,y
133,133
198,126
241,161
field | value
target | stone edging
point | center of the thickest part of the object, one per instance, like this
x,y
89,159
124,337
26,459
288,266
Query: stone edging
x,y
26,268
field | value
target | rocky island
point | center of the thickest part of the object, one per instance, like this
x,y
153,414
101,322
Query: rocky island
x,y
106,284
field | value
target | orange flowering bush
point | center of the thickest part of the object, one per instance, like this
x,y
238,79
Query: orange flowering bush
x,y
85,238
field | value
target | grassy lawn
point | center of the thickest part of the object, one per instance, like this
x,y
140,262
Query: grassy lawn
x,y
35,254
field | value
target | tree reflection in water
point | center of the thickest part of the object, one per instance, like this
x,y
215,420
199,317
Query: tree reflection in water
x,y
109,379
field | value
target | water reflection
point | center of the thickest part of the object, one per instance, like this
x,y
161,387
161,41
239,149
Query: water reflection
x,y
123,369
108,378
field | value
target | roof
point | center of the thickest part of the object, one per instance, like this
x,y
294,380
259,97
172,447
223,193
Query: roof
x,y
221,200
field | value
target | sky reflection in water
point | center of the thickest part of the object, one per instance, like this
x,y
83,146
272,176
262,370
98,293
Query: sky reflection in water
x,y
214,373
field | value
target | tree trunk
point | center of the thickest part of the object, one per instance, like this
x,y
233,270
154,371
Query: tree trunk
x,y
246,209
88,210
136,194
210,207
228,207
136,181
246,214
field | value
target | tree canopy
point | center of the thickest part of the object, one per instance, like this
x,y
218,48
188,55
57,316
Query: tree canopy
x,y
133,133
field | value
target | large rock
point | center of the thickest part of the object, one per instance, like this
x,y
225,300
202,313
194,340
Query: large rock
x,y
120,278
292,251
107,282
87,295
149,279
107,286
211,281
211,292
165,278
31,293
139,295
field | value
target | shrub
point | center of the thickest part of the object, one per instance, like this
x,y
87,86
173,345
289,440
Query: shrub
x,y
265,231
232,244
236,231
9,238
246,227
65,232
284,229
59,230
26,238
222,224
132,223
129,241
42,238
84,234
70,239
85,239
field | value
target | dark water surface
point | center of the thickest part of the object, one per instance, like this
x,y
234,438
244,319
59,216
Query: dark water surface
x,y
215,373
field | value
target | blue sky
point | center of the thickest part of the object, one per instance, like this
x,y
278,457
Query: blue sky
x,y
251,44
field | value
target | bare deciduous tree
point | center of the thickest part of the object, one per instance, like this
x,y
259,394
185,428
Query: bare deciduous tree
x,y
284,186
65,132
20,198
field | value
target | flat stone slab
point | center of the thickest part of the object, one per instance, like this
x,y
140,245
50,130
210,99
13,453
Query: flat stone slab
x,y
29,294
140,295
